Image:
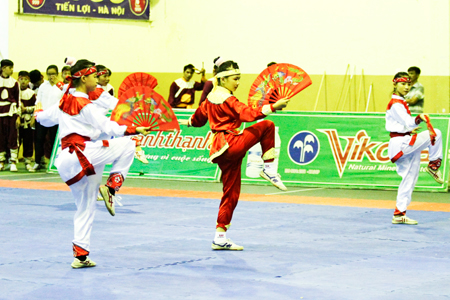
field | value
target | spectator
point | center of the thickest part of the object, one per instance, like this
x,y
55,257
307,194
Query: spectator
x,y
209,85
416,96
36,79
9,113
64,73
49,94
182,90
103,74
26,132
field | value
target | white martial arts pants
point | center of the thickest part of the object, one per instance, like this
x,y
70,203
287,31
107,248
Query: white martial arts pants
x,y
120,153
408,166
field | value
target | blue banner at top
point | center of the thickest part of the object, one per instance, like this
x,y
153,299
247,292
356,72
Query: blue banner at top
x,y
109,9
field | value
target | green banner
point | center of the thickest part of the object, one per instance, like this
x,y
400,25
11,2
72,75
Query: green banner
x,y
340,150
345,150
179,155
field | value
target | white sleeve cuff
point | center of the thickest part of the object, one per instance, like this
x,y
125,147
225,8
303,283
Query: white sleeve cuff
x,y
266,109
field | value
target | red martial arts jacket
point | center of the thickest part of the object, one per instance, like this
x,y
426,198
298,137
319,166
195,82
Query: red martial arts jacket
x,y
225,115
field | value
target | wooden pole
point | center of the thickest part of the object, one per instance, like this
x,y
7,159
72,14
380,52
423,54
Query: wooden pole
x,y
325,91
318,93
342,90
354,91
359,91
347,94
368,98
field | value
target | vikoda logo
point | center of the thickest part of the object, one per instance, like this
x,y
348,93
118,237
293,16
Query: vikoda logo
x,y
357,147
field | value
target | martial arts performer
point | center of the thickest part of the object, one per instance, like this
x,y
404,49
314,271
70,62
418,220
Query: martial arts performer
x,y
230,144
84,155
406,144
106,102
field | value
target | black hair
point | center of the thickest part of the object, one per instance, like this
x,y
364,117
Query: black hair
x,y
215,66
24,74
109,71
78,66
35,76
228,65
399,75
65,68
100,68
271,63
6,63
189,66
52,67
414,69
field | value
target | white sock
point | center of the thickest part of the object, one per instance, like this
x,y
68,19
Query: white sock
x,y
220,237
270,168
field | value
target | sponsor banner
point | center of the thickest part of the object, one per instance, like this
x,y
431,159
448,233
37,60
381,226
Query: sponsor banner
x,y
345,150
340,150
179,155
110,9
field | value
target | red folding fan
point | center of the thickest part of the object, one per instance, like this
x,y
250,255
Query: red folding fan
x,y
137,79
142,106
277,82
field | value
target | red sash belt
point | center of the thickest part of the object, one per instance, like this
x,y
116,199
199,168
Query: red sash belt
x,y
230,131
411,143
396,134
76,142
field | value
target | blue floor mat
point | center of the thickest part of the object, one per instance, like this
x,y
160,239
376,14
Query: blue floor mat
x,y
160,248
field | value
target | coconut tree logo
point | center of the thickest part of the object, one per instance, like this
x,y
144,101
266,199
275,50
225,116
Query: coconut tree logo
x,y
303,147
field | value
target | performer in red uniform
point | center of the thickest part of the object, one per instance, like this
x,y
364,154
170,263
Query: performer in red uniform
x,y
225,115
9,114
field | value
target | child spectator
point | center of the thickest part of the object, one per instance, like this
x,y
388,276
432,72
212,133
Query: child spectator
x,y
9,114
64,73
26,132
49,93
36,79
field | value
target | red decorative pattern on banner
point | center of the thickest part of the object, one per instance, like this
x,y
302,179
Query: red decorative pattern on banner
x,y
138,7
35,4
114,9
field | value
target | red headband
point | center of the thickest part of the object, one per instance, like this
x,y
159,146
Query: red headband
x,y
84,72
401,79
102,72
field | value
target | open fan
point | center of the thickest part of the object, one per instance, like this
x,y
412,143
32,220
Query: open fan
x,y
137,79
277,82
142,106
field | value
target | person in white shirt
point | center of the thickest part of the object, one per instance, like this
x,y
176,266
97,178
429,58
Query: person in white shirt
x,y
84,154
49,94
406,144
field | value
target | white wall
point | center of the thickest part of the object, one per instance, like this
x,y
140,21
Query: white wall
x,y
381,36
4,32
